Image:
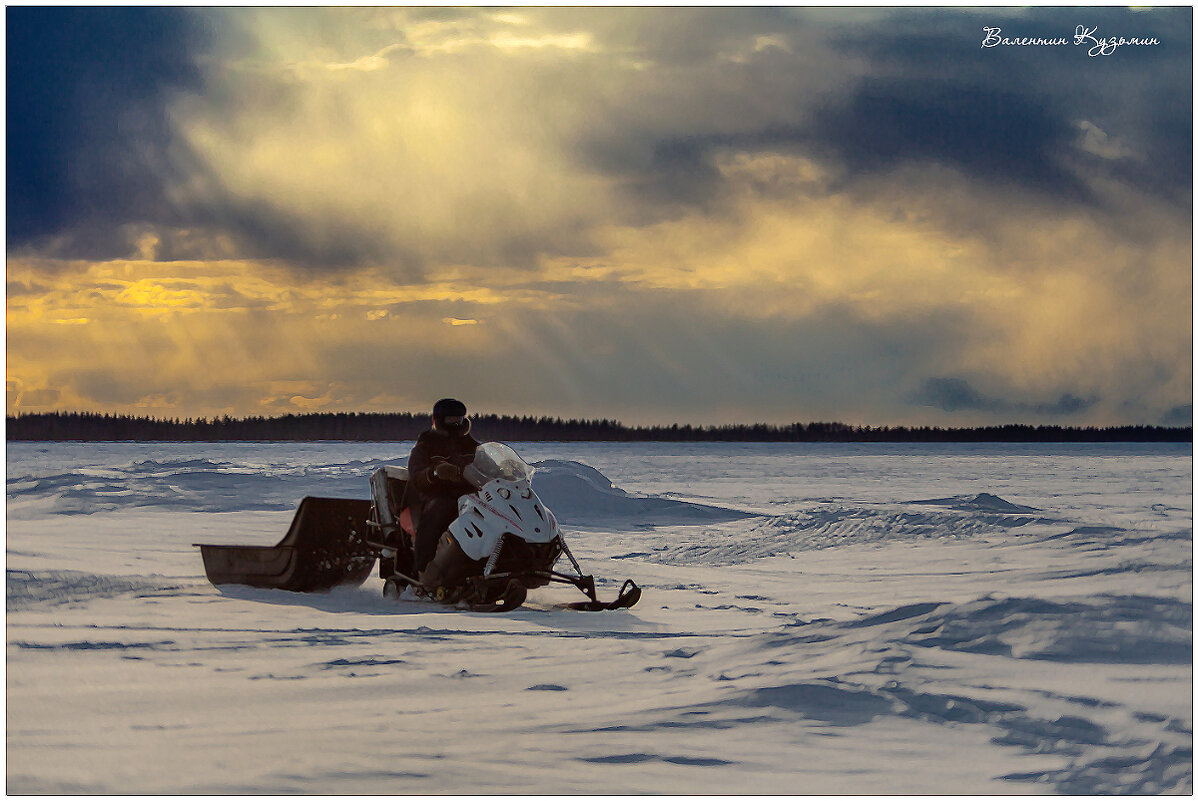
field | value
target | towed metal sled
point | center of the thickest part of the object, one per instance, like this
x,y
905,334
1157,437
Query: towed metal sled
x,y
324,547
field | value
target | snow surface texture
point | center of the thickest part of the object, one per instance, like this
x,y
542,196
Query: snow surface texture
x,y
816,619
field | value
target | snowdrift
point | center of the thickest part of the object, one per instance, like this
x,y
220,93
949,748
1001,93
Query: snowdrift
x,y
581,495
578,494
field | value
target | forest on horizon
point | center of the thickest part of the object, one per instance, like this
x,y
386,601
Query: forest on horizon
x,y
405,426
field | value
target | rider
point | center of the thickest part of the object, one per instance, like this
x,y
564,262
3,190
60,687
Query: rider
x,y
435,470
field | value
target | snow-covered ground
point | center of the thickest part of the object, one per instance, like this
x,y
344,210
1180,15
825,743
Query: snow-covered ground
x,y
816,619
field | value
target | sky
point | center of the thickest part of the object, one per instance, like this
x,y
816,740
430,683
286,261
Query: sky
x,y
703,215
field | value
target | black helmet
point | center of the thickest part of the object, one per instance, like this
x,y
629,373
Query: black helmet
x,y
449,415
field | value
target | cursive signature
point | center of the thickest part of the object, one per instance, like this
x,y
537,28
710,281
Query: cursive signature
x,y
1082,35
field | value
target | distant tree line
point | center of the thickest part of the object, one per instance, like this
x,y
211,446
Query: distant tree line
x,y
395,427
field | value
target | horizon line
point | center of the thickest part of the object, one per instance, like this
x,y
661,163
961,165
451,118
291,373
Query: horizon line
x,y
557,420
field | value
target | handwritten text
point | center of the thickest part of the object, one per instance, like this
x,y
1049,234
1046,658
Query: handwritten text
x,y
1082,35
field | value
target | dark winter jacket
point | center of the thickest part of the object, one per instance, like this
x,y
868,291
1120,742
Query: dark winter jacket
x,y
432,448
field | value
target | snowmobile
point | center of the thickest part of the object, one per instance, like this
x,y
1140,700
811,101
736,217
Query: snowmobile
x,y
504,542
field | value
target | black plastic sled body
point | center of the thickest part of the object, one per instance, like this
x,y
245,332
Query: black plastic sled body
x,y
325,547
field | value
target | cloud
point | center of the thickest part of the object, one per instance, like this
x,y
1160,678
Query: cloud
x,y
1143,102
953,394
35,399
89,144
421,162
335,138
15,289
991,134
956,394
1179,416
1096,141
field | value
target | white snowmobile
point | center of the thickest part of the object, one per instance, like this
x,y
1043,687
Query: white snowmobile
x,y
503,543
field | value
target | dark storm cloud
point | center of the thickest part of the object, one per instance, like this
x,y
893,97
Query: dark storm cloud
x,y
988,133
92,156
1011,112
88,140
932,95
15,289
665,175
1179,416
262,231
958,395
953,394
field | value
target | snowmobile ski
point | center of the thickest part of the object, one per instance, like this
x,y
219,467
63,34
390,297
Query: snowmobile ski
x,y
628,596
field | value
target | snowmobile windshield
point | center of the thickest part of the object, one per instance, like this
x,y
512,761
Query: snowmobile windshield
x,y
495,460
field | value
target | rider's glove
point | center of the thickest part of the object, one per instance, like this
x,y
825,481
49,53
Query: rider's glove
x,y
447,472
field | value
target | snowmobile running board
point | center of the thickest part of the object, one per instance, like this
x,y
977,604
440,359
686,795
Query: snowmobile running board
x,y
512,597
324,547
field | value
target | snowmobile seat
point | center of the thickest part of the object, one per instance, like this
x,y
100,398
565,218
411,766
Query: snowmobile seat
x,y
406,522
394,520
324,547
394,501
